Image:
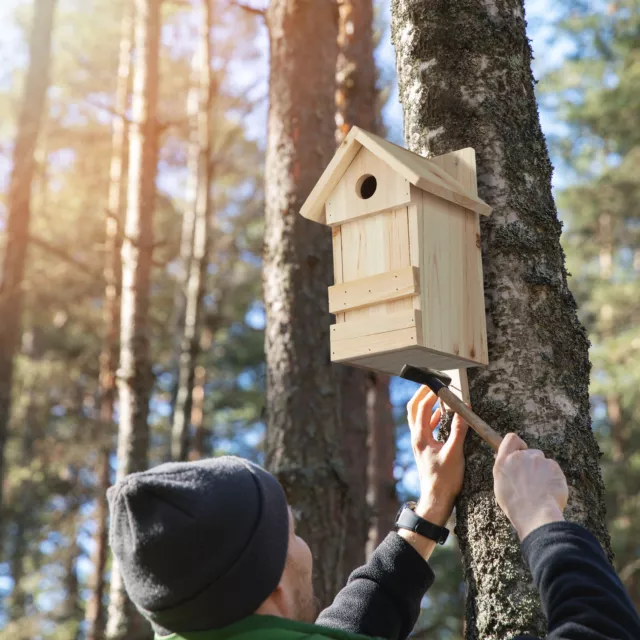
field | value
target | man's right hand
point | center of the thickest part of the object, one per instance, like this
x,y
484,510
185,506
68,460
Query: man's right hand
x,y
530,489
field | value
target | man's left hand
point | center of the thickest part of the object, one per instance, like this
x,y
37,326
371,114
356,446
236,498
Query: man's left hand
x,y
440,464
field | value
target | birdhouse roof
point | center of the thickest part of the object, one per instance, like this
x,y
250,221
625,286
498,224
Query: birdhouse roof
x,y
419,171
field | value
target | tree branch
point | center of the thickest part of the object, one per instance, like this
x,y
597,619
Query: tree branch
x,y
62,254
262,13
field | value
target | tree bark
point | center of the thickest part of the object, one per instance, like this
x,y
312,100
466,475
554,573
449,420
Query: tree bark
x,y
381,494
465,80
95,618
134,374
19,206
197,265
302,441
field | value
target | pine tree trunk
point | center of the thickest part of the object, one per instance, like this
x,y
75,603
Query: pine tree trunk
x,y
134,374
381,494
19,206
95,618
465,80
197,265
302,442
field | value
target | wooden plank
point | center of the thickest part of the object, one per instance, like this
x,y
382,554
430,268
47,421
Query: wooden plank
x,y
459,384
421,172
378,343
383,287
461,165
393,362
416,169
377,324
313,207
337,263
345,202
372,246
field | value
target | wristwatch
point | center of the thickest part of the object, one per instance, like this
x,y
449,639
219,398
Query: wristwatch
x,y
407,518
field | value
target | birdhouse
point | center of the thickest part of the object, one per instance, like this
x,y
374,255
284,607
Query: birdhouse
x,y
406,256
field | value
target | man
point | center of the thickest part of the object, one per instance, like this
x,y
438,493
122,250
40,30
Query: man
x,y
208,549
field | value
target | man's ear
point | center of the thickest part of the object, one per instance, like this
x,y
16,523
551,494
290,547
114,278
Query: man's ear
x,y
276,603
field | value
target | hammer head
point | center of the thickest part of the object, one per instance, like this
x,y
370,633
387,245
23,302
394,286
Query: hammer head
x,y
433,379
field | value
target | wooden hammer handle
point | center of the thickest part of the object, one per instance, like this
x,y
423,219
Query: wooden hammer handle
x,y
491,437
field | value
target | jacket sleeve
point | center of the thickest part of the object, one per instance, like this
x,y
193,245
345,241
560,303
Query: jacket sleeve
x,y
382,598
582,597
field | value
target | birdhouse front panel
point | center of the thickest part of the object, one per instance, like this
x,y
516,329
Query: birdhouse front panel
x,y
407,261
367,186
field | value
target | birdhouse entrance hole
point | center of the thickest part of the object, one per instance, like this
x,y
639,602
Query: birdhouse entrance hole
x,y
366,186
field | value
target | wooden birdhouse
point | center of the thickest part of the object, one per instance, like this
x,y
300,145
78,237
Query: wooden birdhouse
x,y
406,255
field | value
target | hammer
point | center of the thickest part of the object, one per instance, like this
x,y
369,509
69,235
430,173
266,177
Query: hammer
x,y
439,383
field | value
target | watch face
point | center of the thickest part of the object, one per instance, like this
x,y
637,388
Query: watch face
x,y
406,505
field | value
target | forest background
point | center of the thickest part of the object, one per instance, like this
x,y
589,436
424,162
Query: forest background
x,y
588,63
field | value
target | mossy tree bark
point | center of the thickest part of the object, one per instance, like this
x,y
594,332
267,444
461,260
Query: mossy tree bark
x,y
465,79
302,442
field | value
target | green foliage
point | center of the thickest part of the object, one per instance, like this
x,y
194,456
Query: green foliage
x,y
55,430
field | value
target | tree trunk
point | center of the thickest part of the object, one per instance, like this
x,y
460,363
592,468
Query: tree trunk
x,y
302,442
465,80
201,446
381,494
134,374
197,265
95,611
19,206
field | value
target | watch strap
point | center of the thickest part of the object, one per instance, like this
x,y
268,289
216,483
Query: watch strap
x,y
409,519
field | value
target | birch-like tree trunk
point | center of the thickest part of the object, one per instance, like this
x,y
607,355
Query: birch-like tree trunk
x,y
95,614
198,255
302,442
19,206
134,373
465,79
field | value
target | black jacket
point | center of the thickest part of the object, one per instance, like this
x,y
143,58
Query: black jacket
x,y
581,595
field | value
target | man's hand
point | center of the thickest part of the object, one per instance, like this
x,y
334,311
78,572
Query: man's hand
x,y
440,464
530,489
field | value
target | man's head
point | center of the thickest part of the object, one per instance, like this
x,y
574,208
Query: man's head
x,y
204,544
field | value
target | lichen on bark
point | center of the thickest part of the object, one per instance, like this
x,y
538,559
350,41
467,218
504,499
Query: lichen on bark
x,y
465,80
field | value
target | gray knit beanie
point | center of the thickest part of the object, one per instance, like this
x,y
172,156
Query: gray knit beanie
x,y
200,545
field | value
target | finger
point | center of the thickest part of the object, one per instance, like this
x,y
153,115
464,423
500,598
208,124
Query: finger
x,y
510,444
421,430
435,419
459,428
535,453
414,403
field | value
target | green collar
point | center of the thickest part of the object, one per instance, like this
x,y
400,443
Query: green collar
x,y
262,623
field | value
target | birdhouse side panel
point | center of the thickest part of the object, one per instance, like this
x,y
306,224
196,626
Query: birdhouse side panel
x,y
368,186
452,299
